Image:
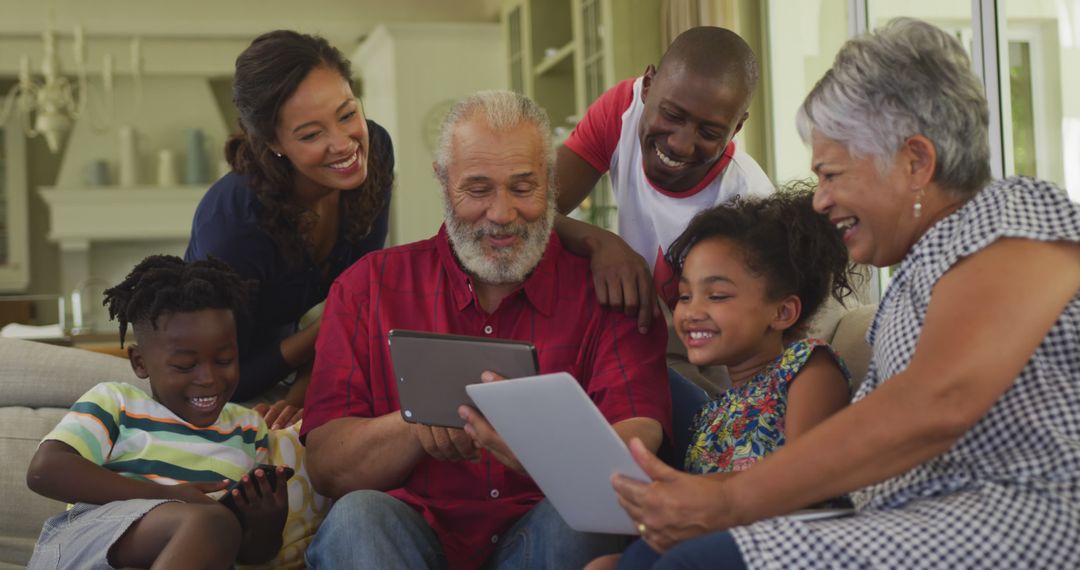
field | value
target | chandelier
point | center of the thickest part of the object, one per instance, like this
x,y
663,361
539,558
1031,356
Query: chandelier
x,y
49,106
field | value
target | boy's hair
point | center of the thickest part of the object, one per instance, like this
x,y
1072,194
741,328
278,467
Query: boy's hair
x,y
162,284
796,250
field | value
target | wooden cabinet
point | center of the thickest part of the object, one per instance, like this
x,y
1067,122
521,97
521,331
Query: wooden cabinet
x,y
539,36
566,53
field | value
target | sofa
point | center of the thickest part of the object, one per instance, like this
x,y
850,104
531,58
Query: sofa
x,y
38,382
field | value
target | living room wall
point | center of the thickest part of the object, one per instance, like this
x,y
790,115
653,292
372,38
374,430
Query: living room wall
x,y
196,40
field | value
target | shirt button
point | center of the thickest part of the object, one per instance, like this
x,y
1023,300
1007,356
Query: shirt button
x,y
494,538
494,493
488,329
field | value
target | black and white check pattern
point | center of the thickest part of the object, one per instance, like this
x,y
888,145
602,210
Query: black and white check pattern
x,y
1007,495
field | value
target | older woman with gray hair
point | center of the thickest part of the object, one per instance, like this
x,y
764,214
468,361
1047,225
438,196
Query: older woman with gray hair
x,y
962,448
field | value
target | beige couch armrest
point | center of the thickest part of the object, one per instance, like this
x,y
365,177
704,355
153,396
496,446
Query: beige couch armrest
x,y
849,340
38,375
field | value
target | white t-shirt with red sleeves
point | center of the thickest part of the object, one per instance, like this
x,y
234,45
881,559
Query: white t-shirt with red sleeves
x,y
650,218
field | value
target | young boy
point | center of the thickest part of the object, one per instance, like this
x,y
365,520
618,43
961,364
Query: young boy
x,y
138,468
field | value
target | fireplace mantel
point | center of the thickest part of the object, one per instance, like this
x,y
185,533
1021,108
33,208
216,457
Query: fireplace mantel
x,y
102,231
78,216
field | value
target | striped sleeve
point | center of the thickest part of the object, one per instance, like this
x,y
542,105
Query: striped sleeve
x,y
249,431
92,425
123,429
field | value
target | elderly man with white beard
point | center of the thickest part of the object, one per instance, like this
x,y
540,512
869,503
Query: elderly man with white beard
x,y
418,496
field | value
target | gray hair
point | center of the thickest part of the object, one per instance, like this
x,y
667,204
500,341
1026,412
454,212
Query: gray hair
x,y
906,78
503,111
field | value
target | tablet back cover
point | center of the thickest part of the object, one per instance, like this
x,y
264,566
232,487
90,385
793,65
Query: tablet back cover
x,y
433,369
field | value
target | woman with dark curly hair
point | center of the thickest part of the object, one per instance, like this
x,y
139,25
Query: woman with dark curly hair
x,y
308,195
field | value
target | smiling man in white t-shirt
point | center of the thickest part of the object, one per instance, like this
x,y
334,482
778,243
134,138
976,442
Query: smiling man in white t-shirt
x,y
666,140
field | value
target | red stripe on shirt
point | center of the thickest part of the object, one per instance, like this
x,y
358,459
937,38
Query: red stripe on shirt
x,y
597,135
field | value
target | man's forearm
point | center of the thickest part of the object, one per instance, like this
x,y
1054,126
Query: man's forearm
x,y
579,237
299,348
647,430
347,454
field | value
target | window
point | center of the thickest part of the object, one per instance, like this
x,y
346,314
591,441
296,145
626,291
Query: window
x,y
1040,60
791,70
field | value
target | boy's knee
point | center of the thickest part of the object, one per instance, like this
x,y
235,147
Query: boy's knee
x,y
210,528
218,527
213,521
220,518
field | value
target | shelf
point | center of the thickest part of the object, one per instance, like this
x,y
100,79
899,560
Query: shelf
x,y
112,213
553,60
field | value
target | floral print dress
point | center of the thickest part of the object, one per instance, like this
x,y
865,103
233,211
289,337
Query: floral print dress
x,y
746,423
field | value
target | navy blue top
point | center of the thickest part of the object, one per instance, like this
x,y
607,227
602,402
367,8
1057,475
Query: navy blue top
x,y
226,225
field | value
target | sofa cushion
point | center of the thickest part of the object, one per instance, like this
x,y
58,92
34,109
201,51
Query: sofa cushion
x,y
38,383
38,375
849,340
22,512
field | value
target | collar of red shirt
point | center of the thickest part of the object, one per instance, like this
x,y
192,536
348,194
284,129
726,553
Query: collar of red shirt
x,y
539,286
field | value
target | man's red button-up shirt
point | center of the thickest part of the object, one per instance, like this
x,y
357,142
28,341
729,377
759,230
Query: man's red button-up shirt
x,y
420,286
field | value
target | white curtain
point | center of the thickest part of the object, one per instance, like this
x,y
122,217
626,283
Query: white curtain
x,y
677,16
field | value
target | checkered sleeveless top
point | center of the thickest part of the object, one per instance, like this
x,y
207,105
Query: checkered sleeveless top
x,y
1007,494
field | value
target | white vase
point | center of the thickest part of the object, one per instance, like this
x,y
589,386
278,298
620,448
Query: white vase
x,y
129,158
166,172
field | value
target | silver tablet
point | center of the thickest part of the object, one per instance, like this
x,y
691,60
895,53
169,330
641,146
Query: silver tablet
x,y
565,444
433,369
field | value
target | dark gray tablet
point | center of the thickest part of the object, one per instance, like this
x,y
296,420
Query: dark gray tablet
x,y
433,369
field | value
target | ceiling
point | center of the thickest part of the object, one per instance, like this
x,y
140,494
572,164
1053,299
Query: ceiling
x,y
343,22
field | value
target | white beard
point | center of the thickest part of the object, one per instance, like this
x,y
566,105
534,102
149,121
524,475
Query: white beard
x,y
500,265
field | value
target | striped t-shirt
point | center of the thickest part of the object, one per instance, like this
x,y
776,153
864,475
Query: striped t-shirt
x,y
121,428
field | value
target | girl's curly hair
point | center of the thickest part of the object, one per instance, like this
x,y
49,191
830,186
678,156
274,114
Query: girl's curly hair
x,y
782,239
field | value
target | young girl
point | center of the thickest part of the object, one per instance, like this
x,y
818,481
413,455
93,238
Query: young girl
x,y
751,275
138,466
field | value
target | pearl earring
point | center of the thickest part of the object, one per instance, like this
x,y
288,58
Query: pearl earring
x,y
918,203
277,154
